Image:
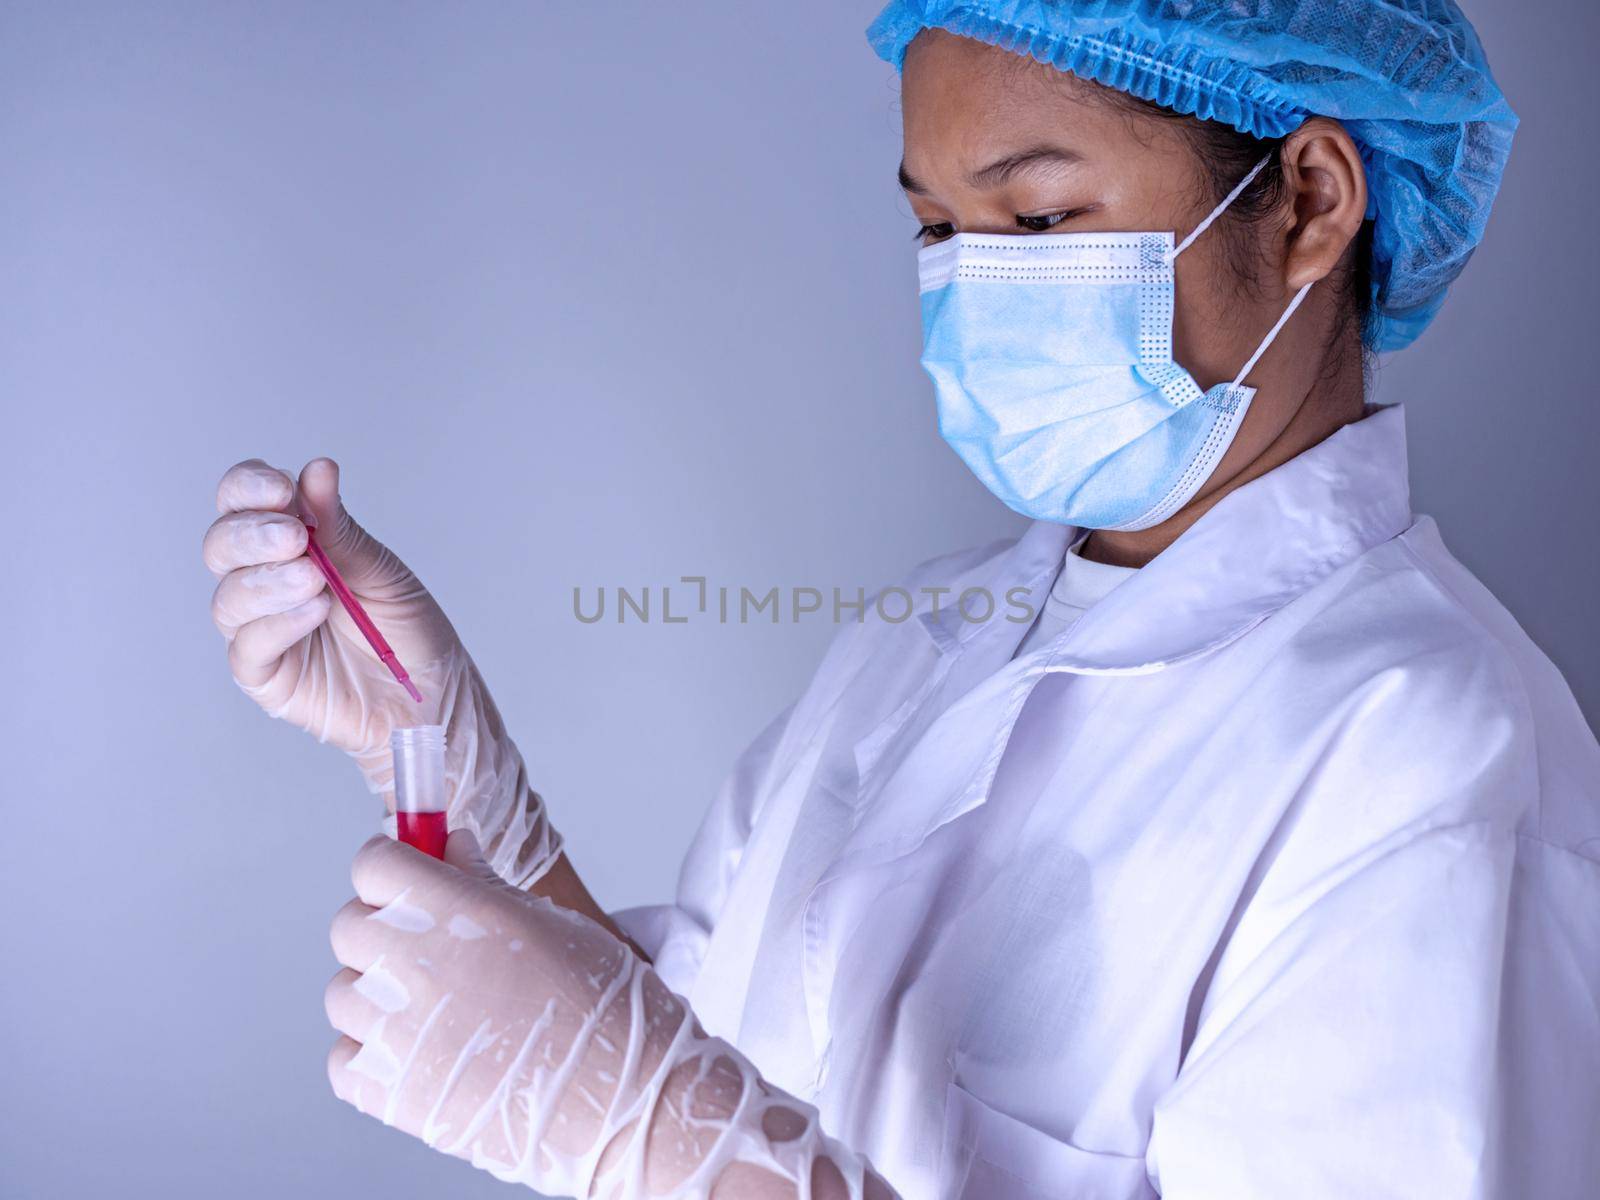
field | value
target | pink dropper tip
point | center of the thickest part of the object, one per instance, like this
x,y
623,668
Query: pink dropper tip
x,y
412,688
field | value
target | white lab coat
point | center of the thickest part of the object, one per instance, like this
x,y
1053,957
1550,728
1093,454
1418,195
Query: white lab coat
x,y
1274,876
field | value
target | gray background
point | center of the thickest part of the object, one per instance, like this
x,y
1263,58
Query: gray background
x,y
577,294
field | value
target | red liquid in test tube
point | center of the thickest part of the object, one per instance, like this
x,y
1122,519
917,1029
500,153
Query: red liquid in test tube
x,y
419,796
426,831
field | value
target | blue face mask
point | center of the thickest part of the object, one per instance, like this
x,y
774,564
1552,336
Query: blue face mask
x,y
1051,358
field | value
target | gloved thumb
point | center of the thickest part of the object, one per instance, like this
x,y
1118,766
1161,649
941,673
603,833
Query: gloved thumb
x,y
364,562
463,853
318,496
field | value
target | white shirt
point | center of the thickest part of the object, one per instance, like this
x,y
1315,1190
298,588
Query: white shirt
x,y
1081,585
1274,875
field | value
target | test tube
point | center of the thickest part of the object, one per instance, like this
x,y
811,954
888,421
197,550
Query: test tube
x,y
419,797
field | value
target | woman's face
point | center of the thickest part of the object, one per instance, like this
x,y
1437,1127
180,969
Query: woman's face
x,y
998,143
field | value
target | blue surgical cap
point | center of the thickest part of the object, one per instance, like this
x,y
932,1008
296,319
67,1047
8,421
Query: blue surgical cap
x,y
1408,79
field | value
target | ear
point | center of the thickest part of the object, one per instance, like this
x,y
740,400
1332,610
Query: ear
x,y
1327,183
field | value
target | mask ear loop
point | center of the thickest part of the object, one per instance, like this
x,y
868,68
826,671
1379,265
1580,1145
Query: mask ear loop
x,y
1219,209
1271,337
1206,224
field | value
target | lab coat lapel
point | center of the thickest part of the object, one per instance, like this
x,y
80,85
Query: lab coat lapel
x,y
968,650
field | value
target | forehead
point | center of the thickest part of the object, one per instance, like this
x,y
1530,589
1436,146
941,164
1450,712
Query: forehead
x,y
963,99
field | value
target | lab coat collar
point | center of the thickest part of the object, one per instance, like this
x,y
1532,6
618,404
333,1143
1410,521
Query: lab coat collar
x,y
1032,564
1255,550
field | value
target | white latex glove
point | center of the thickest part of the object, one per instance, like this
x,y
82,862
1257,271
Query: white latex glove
x,y
503,1029
296,652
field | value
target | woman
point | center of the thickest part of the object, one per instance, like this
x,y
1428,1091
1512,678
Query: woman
x,y
1256,858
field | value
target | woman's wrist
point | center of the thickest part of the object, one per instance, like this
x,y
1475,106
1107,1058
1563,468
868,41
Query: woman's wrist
x,y
517,838
561,885
494,797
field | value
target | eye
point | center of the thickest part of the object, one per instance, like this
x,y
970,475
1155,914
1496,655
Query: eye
x,y
1048,221
928,234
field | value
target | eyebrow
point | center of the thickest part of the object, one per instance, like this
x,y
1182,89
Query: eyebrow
x,y
1001,170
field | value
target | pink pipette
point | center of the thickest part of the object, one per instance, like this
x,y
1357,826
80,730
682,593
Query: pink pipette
x,y
352,606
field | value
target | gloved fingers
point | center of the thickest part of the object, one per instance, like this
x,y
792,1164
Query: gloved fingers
x,y
351,936
384,868
350,1084
242,539
263,590
339,1076
257,648
356,1001
254,484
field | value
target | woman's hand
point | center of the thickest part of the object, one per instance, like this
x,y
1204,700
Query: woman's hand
x,y
297,653
291,647
503,1029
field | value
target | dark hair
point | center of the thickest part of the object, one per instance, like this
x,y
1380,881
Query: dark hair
x,y
1227,156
